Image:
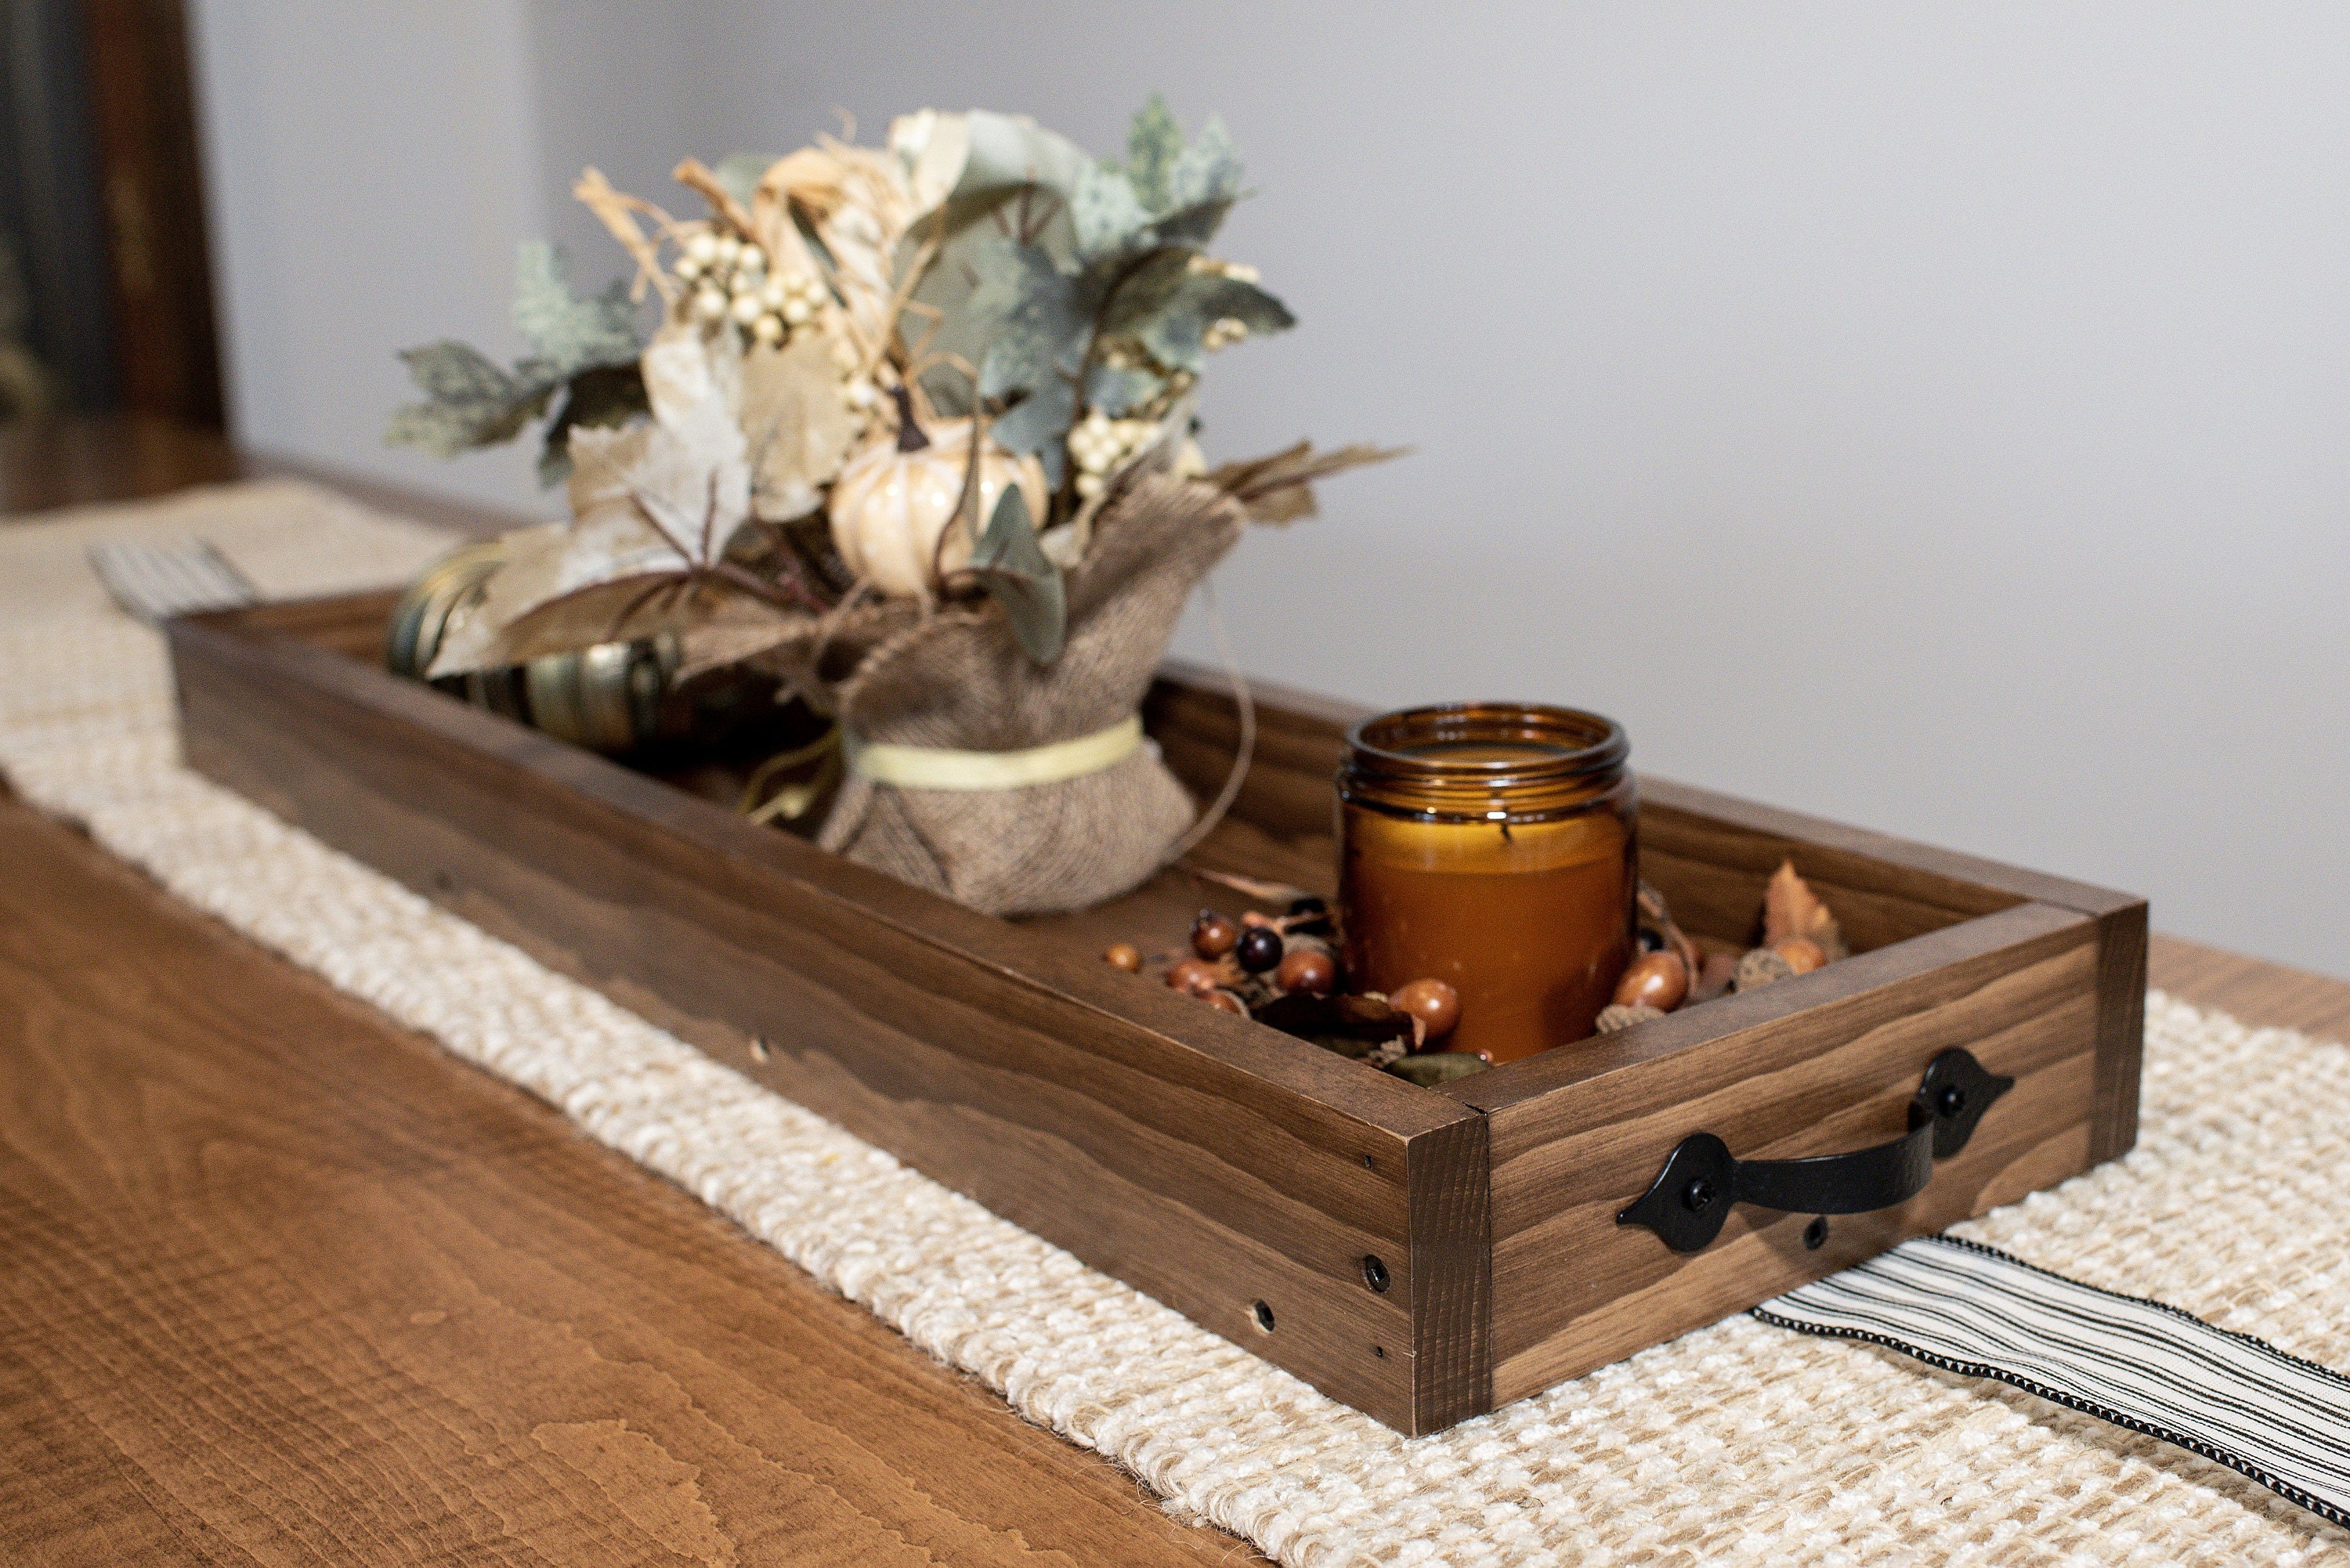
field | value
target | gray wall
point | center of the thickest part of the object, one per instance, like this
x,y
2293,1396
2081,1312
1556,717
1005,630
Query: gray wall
x,y
1936,416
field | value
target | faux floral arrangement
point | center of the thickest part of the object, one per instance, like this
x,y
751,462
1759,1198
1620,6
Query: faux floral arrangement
x,y
913,435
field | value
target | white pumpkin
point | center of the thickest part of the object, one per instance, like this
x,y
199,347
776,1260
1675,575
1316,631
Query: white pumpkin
x,y
895,498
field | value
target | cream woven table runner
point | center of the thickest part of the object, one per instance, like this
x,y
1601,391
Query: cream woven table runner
x,y
1740,1442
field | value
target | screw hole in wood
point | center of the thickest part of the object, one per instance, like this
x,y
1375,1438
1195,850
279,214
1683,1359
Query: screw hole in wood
x,y
1815,1234
1264,1316
1374,1273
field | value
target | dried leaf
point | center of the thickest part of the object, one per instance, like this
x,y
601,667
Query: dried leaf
x,y
799,429
1790,908
1277,488
547,563
659,497
600,399
736,629
691,174
617,213
619,609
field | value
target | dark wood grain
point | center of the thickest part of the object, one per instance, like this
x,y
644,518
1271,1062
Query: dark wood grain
x,y
1203,1159
281,1283
1777,1078
1207,1160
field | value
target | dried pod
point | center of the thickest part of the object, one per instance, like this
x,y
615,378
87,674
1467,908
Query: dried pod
x,y
1620,1016
1802,953
1433,1068
1760,967
1661,981
1790,908
1436,1004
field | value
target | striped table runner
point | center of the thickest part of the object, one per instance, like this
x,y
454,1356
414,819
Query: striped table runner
x,y
1973,1309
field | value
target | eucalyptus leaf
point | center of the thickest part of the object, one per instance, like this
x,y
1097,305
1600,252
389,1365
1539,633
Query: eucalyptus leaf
x,y
1139,289
1009,150
570,335
1015,571
973,288
1104,211
1154,144
1193,225
469,401
1118,391
1043,337
1174,333
1040,423
1207,171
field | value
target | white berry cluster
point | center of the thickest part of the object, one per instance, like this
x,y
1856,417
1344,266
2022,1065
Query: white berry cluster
x,y
1222,333
731,282
1099,444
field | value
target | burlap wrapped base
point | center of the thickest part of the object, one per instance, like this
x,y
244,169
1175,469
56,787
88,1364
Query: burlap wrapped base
x,y
957,680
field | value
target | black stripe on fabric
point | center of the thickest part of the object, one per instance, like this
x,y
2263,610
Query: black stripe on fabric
x,y
2021,1339
2326,1455
2022,1344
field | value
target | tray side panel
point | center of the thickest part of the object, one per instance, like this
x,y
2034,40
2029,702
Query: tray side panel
x,y
1573,1291
1158,1140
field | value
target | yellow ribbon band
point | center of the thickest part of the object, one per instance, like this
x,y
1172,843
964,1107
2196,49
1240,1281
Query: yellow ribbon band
x,y
935,767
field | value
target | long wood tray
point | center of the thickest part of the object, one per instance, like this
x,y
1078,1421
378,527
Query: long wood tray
x,y
1238,1175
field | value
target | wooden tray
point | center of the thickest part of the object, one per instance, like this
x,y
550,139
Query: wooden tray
x,y
1244,1177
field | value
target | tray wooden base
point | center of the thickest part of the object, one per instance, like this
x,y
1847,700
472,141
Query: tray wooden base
x,y
1213,1163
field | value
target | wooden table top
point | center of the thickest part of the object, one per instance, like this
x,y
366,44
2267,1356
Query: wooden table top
x,y
280,1281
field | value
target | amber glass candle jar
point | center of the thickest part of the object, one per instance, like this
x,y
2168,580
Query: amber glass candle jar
x,y
1492,845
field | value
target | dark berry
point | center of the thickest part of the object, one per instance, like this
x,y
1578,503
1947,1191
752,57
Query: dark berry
x,y
1259,949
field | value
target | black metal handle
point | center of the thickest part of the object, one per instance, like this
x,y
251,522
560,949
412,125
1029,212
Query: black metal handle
x,y
1691,1198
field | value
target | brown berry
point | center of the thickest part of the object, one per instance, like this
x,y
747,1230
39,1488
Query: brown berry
x,y
1212,935
1436,1004
1308,970
1658,980
1803,954
1194,975
1125,956
1227,1000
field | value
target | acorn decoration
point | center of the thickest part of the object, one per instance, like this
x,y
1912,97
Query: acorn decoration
x,y
1799,935
1284,970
